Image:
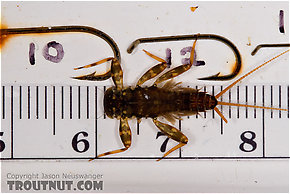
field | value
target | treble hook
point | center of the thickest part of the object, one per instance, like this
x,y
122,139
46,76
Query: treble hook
x,y
62,29
216,77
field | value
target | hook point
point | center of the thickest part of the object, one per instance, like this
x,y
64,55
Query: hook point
x,y
212,77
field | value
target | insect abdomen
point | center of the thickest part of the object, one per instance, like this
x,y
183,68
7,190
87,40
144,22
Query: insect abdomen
x,y
153,102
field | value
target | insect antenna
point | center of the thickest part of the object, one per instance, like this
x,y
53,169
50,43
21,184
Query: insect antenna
x,y
244,76
251,106
94,64
237,81
220,114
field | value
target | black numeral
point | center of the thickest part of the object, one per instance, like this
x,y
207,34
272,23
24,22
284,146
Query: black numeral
x,y
76,142
2,144
250,141
164,144
55,59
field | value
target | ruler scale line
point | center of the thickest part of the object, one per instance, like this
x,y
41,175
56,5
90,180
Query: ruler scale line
x,y
271,101
230,100
62,102
37,102
88,102
12,124
28,102
45,102
263,118
246,101
20,102
3,102
179,127
196,115
104,93
96,120
79,102
238,99
213,95
255,100
53,110
280,113
204,113
155,158
138,128
288,102
222,124
70,102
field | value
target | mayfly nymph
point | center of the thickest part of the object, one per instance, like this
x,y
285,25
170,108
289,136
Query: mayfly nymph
x,y
170,101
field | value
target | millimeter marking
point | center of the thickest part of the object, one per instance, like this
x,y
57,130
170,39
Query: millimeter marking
x,y
62,102
20,102
263,117
45,102
88,102
28,102
96,120
221,120
12,124
37,102
53,109
3,102
246,87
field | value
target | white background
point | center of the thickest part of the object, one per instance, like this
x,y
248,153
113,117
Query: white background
x,y
242,23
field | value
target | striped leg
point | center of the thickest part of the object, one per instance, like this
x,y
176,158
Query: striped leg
x,y
125,135
172,133
94,76
94,64
154,71
115,72
177,70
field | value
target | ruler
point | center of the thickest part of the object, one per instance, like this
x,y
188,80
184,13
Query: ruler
x,y
68,122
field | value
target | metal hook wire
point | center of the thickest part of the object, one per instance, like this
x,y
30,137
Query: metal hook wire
x,y
62,29
267,46
216,77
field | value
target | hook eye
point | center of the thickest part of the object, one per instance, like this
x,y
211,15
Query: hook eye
x,y
215,77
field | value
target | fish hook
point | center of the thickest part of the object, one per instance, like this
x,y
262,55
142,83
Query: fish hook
x,y
62,29
216,77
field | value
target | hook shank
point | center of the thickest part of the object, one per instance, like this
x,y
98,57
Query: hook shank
x,y
62,29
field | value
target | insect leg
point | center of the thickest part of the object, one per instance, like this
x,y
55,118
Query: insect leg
x,y
94,64
154,71
172,133
94,76
177,70
117,73
125,135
